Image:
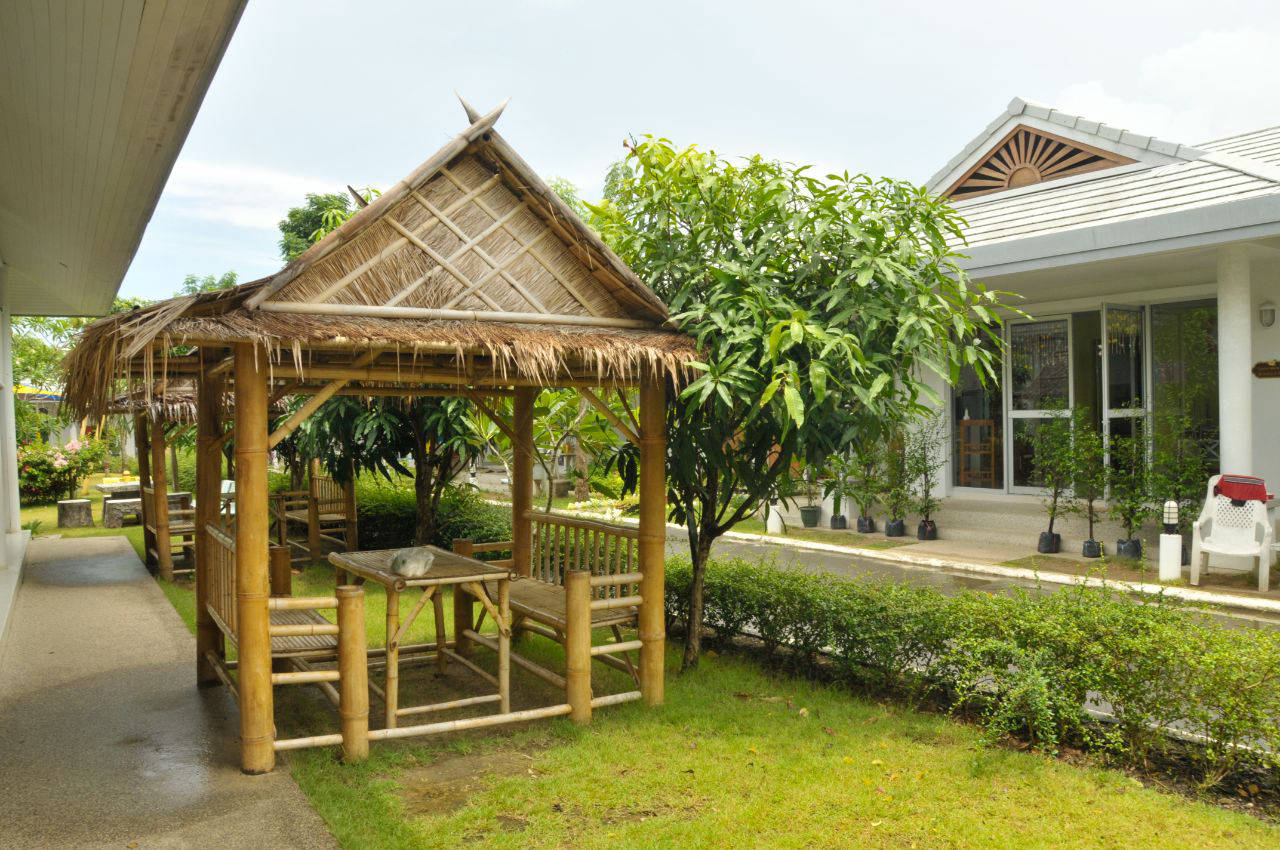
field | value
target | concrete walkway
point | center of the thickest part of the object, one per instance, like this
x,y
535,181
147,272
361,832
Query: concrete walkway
x,y
104,739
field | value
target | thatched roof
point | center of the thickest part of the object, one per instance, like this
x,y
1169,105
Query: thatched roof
x,y
470,264
168,401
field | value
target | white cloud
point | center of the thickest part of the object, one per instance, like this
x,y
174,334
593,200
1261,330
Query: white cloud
x,y
239,194
1216,84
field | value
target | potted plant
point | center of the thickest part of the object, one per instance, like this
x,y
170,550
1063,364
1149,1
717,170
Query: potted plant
x,y
811,511
864,484
836,486
1053,465
1130,488
1090,477
1179,468
897,488
924,461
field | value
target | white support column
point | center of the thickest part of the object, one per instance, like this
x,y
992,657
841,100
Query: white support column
x,y
11,516
1235,358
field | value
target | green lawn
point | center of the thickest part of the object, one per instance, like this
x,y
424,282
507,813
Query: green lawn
x,y
736,758
824,535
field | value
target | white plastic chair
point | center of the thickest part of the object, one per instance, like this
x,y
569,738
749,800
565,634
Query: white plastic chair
x,y
1233,530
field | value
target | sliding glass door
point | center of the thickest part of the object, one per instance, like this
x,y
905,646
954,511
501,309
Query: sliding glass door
x,y
1038,374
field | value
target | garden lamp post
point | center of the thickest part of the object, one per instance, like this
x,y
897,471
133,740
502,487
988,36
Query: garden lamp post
x,y
1170,544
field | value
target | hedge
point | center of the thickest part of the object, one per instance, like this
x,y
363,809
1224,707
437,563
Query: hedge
x,y
388,514
1032,665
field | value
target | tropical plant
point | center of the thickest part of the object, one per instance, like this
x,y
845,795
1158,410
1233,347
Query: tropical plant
x,y
925,457
897,478
1053,465
49,473
194,284
1090,467
1180,466
1130,478
864,482
818,305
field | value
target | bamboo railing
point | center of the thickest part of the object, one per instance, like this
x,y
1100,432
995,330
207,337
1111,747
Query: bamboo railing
x,y
222,580
562,543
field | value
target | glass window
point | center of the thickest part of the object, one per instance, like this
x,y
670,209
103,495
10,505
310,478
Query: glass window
x,y
1184,367
1124,357
1039,365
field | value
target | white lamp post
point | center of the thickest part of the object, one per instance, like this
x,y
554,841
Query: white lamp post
x,y
1170,544
773,520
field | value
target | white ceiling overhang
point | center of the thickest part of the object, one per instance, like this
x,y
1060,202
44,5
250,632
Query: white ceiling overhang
x,y
97,100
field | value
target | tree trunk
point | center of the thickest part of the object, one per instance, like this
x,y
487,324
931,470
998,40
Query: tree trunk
x,y
425,519
583,485
699,550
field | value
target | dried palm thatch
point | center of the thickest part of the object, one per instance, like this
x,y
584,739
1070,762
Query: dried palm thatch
x,y
469,270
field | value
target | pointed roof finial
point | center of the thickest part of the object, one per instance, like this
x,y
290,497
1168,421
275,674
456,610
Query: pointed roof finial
x,y
473,115
359,199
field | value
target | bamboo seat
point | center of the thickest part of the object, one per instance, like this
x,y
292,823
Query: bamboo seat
x,y
545,603
304,646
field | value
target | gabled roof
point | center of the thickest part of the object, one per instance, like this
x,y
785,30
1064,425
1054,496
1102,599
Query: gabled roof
x,y
472,233
470,270
1165,193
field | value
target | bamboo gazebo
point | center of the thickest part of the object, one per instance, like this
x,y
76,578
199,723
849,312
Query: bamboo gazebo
x,y
469,277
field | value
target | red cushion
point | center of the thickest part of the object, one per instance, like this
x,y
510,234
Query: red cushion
x,y
1241,488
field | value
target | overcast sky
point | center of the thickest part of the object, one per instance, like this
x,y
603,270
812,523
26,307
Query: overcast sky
x,y
311,96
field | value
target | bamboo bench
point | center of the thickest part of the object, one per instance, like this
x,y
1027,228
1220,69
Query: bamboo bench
x,y
540,602
326,509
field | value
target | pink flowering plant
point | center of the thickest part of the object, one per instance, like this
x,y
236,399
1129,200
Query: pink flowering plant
x,y
48,473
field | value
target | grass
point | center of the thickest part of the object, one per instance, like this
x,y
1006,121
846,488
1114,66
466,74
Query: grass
x,y
822,535
737,757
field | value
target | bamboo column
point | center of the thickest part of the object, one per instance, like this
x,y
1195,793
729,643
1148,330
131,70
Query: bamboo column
x,y
160,504
142,446
353,674
281,579
577,644
653,536
463,604
522,480
208,505
257,722
391,688
313,513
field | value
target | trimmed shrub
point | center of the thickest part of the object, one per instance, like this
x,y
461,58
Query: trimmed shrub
x,y
1038,666
387,515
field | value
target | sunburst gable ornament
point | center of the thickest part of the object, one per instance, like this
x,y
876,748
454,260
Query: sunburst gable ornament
x,y
1028,156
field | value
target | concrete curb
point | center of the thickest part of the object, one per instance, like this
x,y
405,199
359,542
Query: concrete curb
x,y
1187,594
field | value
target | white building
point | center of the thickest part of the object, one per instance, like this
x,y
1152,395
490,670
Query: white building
x,y
1151,271
96,101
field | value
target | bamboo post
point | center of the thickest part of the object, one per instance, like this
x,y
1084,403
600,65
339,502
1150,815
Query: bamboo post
x,y
522,480
160,504
257,722
142,444
577,644
463,604
353,674
281,585
313,512
391,695
208,495
653,537
504,645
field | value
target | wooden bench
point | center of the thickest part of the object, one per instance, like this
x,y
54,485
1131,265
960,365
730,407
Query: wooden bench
x,y
326,509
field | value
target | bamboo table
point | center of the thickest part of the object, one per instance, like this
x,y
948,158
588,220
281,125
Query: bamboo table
x,y
449,569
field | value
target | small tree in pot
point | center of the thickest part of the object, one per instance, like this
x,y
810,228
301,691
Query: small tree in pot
x,y
1090,477
897,487
840,467
1130,488
924,461
1053,464
811,512
1180,467
864,483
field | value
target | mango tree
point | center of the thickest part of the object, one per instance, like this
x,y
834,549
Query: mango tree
x,y
819,306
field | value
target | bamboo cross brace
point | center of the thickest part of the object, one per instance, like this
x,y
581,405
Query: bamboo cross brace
x,y
222,440
442,261
312,404
427,593
515,284
503,426
488,210
477,590
285,389
474,245
626,406
468,244
397,244
610,415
